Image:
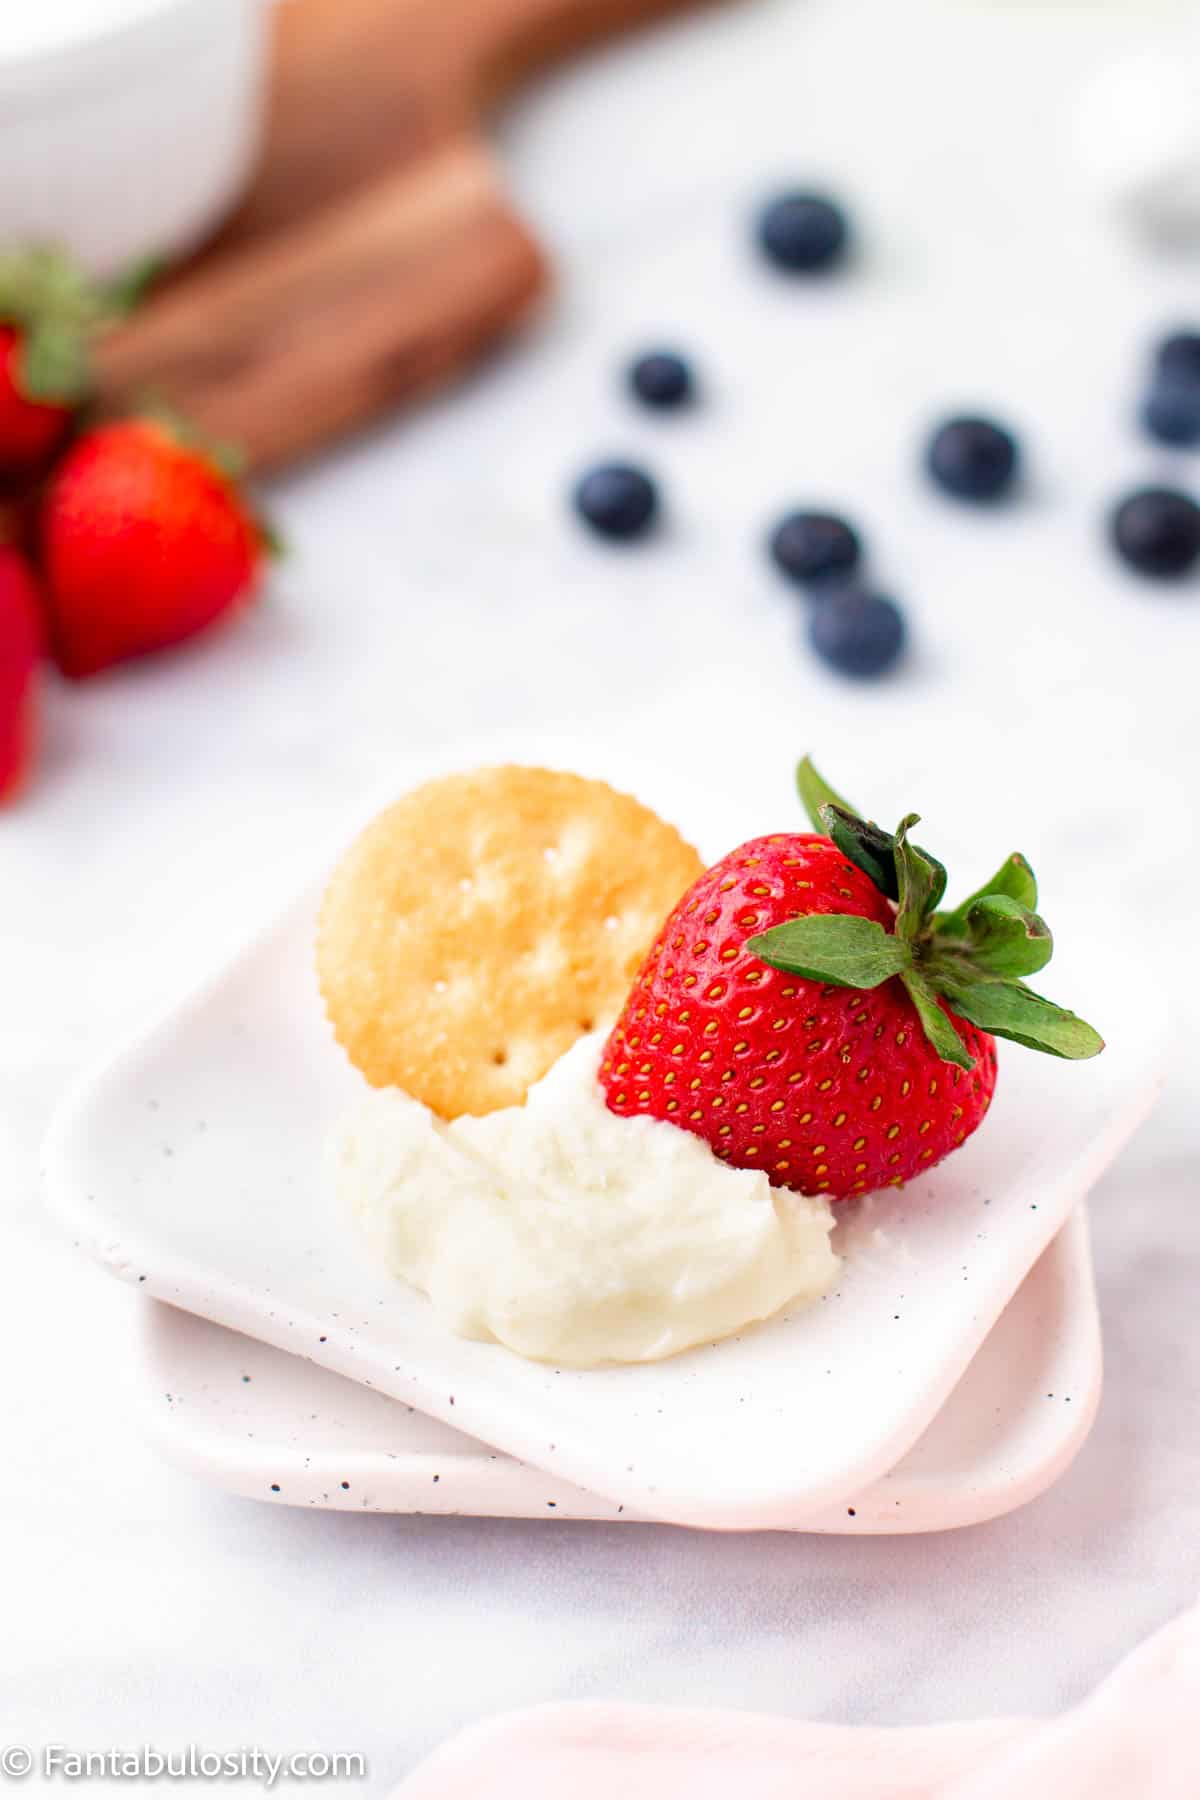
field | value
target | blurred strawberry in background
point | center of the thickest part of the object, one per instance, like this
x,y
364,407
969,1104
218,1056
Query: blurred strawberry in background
x,y
145,540
118,537
50,313
20,653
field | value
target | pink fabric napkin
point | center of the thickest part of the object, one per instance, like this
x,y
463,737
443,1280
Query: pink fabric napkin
x,y
1136,1738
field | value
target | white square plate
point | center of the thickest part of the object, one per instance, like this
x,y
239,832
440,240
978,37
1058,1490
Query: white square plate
x,y
274,1427
192,1164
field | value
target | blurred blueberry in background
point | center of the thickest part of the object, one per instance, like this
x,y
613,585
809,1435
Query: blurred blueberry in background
x,y
618,500
1156,530
662,379
973,458
856,632
812,546
803,233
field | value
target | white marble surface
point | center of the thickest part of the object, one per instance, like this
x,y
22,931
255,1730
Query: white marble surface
x,y
436,587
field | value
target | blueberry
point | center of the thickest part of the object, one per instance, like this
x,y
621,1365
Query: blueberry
x,y
812,546
617,500
1171,413
660,378
1157,531
973,459
803,233
856,632
1178,356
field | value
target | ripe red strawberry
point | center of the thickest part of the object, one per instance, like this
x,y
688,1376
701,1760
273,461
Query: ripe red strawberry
x,y
20,652
30,429
830,1090
796,1012
145,541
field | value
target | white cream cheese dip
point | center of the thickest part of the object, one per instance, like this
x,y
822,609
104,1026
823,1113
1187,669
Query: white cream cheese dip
x,y
571,1235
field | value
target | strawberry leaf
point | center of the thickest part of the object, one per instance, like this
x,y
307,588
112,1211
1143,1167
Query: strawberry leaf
x,y
1013,878
58,311
127,289
1005,938
936,1026
973,956
921,882
843,950
1011,1010
815,792
866,846
860,841
273,542
53,364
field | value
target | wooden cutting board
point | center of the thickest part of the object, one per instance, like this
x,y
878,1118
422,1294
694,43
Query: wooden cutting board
x,y
376,253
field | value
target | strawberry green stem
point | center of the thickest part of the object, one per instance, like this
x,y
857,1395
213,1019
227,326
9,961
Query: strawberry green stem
x,y
973,957
59,310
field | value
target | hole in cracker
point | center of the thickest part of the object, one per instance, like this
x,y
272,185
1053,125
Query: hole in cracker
x,y
499,1058
587,1024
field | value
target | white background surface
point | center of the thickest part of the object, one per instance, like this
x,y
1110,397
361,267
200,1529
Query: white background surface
x,y
436,587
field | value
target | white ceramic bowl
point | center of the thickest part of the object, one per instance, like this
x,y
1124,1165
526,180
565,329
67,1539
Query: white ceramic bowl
x,y
127,127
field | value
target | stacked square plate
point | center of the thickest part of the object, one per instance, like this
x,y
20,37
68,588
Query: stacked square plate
x,y
950,1375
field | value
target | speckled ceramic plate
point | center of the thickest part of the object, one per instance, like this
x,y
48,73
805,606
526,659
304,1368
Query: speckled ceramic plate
x,y
274,1427
191,1164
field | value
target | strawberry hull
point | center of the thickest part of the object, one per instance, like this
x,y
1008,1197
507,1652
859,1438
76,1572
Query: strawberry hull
x,y
829,1090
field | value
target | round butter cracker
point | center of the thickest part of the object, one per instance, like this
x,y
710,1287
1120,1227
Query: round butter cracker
x,y
477,927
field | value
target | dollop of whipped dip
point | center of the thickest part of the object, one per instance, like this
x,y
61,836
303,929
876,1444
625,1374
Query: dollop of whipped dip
x,y
570,1235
